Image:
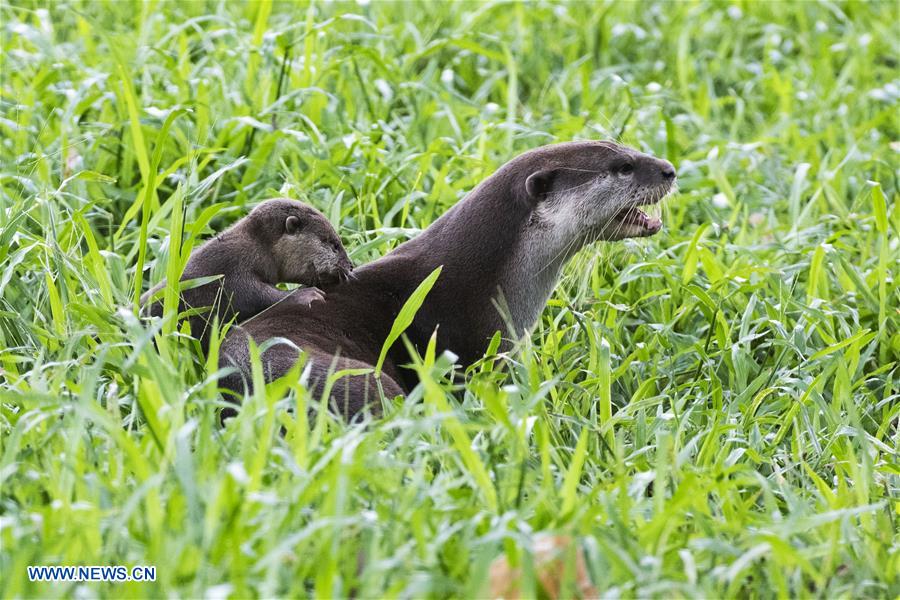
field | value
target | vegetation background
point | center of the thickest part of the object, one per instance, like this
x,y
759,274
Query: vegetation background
x,y
711,412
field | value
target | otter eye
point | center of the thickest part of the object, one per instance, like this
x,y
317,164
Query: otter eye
x,y
626,168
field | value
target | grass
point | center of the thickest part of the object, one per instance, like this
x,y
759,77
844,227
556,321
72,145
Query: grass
x,y
711,412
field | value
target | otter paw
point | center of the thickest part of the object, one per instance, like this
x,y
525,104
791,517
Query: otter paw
x,y
309,295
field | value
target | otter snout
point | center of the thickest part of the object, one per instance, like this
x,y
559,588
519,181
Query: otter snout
x,y
345,269
667,170
340,270
655,172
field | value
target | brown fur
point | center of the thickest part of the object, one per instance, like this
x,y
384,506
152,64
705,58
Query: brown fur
x,y
504,244
280,241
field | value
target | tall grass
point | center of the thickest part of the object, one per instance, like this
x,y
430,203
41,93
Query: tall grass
x,y
710,412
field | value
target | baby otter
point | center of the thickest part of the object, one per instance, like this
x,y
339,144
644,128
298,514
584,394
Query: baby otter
x,y
280,241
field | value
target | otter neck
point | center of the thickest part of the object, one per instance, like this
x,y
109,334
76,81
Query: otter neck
x,y
533,270
253,258
512,267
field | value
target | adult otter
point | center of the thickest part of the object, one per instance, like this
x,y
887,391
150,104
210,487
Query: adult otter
x,y
280,241
503,245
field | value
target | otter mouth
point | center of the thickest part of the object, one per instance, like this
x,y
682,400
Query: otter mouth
x,y
339,275
634,222
634,216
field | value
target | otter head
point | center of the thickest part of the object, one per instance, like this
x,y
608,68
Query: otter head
x,y
305,247
588,191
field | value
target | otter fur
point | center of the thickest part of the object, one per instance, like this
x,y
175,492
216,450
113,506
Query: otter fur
x,y
280,241
502,249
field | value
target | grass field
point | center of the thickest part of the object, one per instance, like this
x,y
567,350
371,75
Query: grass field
x,y
711,412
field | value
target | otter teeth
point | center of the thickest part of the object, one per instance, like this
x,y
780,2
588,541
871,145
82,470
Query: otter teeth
x,y
635,216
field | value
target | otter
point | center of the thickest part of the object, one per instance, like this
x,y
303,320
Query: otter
x,y
280,241
502,249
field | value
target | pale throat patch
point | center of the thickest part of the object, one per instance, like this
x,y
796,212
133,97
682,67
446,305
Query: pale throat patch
x,y
554,234
534,267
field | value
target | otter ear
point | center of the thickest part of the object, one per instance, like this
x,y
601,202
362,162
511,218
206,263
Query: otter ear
x,y
292,224
540,183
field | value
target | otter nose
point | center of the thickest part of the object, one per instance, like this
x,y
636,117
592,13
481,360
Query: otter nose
x,y
668,171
